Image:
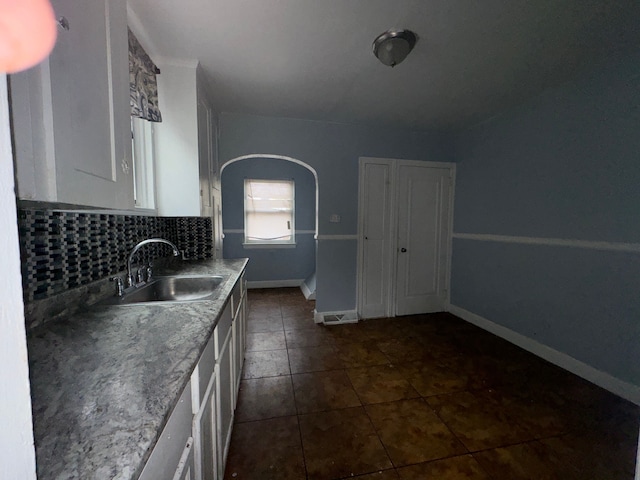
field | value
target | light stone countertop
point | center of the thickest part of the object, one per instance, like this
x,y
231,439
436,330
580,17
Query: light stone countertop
x,y
104,381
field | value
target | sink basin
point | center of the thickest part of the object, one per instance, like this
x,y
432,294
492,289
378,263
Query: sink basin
x,y
179,288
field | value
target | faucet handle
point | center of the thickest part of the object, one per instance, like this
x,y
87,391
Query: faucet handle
x,y
119,286
140,275
149,271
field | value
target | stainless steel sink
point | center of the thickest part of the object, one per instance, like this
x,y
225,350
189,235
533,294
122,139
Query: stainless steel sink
x,y
178,288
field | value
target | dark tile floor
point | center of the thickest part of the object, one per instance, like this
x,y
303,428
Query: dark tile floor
x,y
419,397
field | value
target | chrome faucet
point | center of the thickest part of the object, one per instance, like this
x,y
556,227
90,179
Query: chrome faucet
x,y
130,278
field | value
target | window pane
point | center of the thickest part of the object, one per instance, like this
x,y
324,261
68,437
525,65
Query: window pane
x,y
268,226
269,211
269,196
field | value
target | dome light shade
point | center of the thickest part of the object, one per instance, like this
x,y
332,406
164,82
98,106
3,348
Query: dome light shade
x,y
392,47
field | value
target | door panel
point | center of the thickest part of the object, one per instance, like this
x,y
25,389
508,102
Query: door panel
x,y
208,457
423,227
375,237
421,222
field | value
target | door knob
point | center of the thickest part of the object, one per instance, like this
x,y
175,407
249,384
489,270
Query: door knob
x,y
403,250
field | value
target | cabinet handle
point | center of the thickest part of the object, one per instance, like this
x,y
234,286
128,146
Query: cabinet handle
x,y
403,250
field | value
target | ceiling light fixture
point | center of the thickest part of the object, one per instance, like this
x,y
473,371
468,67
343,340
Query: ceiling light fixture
x,y
392,47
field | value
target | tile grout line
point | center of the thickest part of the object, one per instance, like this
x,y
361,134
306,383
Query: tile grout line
x,y
538,435
363,406
295,404
469,452
384,447
445,424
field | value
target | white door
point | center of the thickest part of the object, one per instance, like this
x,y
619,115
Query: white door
x,y
375,236
423,239
404,236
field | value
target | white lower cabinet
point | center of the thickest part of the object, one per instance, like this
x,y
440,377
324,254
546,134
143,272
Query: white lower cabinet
x,y
206,435
205,390
239,331
195,442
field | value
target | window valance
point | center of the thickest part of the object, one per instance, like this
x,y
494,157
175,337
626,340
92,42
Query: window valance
x,y
143,87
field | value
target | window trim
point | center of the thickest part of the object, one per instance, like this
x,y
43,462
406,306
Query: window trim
x,y
143,161
270,243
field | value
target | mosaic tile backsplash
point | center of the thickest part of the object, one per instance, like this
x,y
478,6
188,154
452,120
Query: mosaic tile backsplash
x,y
63,250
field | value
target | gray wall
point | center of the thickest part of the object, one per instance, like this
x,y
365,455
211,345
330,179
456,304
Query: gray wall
x,y
565,165
332,149
277,263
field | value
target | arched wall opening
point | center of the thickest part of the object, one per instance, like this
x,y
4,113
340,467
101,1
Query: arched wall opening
x,y
272,265
287,159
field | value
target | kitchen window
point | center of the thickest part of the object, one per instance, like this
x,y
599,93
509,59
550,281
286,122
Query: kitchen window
x,y
269,213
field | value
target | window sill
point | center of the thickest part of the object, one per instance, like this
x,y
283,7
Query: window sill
x,y
249,246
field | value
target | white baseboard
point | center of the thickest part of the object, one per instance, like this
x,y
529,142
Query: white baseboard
x,y
308,294
605,380
275,283
343,316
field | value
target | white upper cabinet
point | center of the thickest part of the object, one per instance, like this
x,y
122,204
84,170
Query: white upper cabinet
x,y
71,113
185,142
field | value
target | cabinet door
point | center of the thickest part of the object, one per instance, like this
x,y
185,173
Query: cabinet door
x,y
225,401
89,89
202,375
244,320
237,356
239,336
185,470
205,433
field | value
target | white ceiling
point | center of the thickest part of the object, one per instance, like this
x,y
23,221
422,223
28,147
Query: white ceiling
x,y
313,58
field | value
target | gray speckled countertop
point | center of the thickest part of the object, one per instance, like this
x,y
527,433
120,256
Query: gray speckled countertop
x,y
104,381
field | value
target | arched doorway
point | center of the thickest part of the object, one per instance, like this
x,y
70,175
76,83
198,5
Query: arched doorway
x,y
272,265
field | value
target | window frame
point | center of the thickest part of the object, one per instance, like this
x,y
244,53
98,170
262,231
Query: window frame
x,y
143,161
247,243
